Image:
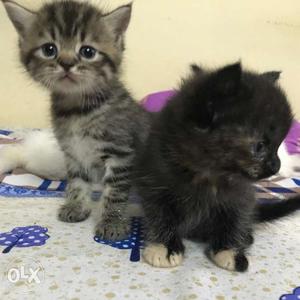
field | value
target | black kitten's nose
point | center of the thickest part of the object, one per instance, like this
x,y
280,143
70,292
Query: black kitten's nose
x,y
66,65
274,165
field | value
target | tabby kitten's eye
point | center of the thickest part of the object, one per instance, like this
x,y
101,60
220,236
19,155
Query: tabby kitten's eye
x,y
49,51
88,52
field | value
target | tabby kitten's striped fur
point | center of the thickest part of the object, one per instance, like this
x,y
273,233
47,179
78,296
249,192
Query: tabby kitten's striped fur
x,y
75,50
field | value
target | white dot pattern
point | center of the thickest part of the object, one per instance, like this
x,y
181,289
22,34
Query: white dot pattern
x,y
25,236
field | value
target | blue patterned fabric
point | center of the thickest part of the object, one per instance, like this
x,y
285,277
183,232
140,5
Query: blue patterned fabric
x,y
8,190
294,296
5,132
133,242
27,236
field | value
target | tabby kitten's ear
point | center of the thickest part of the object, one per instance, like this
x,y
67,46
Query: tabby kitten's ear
x,y
21,17
272,76
119,20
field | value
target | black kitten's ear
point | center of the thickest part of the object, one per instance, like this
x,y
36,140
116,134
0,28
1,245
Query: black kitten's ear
x,y
228,79
118,20
272,76
21,17
196,69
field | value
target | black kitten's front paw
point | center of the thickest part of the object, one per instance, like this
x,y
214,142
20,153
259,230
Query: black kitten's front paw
x,y
158,255
113,229
72,213
230,260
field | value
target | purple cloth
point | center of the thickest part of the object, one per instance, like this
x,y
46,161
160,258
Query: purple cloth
x,y
155,102
292,140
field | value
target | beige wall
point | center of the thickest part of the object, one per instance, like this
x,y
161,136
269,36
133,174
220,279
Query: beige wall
x,y
164,37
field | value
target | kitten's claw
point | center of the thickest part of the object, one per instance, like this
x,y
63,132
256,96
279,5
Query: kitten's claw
x,y
112,230
73,213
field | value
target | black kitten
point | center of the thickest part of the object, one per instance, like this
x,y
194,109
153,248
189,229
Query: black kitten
x,y
218,135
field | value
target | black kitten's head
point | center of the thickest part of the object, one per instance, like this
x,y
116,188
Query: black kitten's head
x,y
235,120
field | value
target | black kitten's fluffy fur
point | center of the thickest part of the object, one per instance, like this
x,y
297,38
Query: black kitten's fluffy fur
x,y
218,135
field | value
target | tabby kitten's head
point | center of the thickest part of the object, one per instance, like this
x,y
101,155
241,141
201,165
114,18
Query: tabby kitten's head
x,y
70,46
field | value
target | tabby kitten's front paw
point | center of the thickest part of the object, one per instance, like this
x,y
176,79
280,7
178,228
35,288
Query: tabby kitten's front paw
x,y
73,213
113,229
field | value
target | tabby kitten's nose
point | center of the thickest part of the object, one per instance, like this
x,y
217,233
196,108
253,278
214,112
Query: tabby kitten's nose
x,y
66,65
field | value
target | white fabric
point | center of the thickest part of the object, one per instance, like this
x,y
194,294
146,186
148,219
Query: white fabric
x,y
76,267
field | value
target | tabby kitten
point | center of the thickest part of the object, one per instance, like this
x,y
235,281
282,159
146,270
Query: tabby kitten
x,y
218,135
75,50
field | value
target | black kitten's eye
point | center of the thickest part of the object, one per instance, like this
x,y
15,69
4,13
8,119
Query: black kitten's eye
x,y
49,50
259,147
87,52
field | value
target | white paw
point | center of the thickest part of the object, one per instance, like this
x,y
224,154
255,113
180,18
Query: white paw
x,y
224,259
230,260
157,256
